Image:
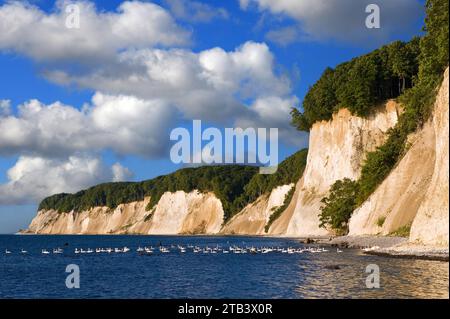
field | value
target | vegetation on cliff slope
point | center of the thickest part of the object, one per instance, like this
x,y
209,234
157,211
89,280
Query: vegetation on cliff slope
x,y
419,63
289,171
279,210
360,84
235,185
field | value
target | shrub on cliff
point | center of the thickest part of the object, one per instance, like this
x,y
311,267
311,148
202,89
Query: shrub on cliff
x,y
338,206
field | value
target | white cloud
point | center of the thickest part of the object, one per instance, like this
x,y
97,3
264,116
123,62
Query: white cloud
x,y
144,86
208,85
284,36
119,57
248,70
33,178
124,124
342,20
5,107
274,112
121,173
28,30
244,4
194,11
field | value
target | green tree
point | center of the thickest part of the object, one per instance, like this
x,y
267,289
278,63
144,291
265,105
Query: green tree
x,y
434,45
338,206
404,62
360,84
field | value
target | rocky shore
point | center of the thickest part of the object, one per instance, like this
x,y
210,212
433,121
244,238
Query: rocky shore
x,y
396,247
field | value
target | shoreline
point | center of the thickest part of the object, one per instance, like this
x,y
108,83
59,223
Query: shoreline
x,y
413,255
391,247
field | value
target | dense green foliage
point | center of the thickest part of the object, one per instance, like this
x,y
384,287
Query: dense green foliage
x,y
360,84
234,185
339,206
227,182
417,102
289,171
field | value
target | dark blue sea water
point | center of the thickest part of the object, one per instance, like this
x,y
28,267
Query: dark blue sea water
x,y
190,275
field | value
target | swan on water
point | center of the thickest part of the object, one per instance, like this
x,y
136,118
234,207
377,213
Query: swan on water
x,y
371,248
188,248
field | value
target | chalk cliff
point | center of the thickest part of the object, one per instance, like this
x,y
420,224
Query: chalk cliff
x,y
431,223
175,213
337,149
254,217
416,192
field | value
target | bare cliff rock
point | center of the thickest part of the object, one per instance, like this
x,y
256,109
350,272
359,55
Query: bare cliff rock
x,y
395,202
416,191
336,150
254,217
175,213
431,223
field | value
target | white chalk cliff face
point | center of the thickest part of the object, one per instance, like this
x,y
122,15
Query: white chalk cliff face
x,y
175,213
180,213
395,202
254,217
416,191
336,150
431,223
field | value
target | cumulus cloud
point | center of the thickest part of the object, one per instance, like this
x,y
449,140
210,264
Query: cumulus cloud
x,y
5,107
33,178
283,36
194,11
123,124
28,30
145,92
121,173
207,85
146,82
342,20
274,112
124,57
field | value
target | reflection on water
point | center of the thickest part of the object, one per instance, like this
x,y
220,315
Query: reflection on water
x,y
190,275
343,276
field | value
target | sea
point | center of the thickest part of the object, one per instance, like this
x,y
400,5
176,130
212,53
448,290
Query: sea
x,y
310,272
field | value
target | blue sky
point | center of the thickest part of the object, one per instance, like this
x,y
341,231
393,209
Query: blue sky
x,y
228,63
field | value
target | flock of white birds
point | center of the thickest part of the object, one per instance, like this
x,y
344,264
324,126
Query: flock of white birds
x,y
189,248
